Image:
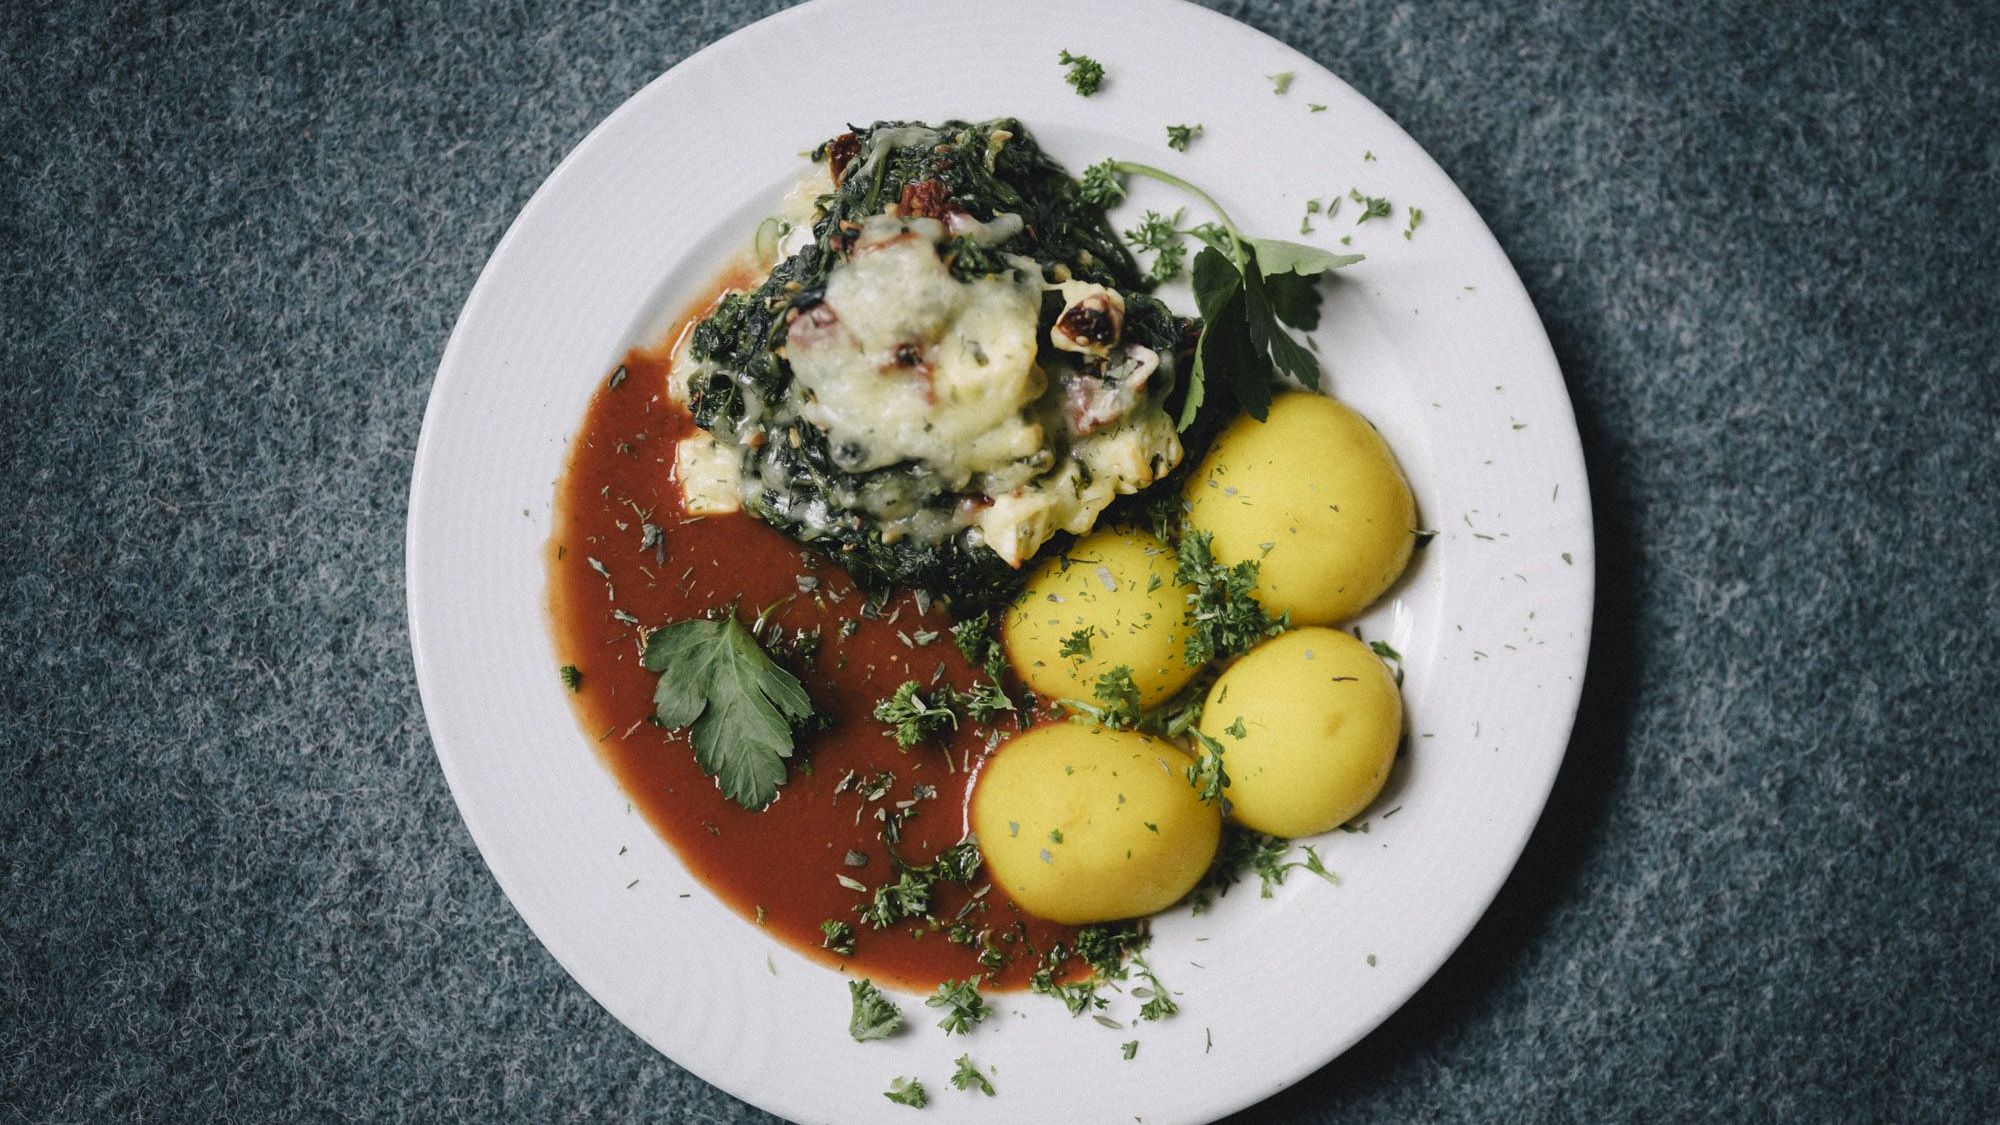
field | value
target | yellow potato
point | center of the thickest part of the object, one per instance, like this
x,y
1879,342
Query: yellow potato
x,y
1082,824
1118,587
1320,718
1315,495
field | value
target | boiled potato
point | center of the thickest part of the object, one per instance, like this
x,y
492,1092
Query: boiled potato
x,y
1308,723
1083,824
1315,495
1117,588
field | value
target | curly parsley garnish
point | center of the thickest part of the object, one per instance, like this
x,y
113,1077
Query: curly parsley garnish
x,y
915,718
1076,646
1164,237
1178,136
1099,184
1243,852
1117,705
875,1015
1223,615
837,936
742,707
1085,73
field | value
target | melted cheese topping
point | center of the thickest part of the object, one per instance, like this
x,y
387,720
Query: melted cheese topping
x,y
908,368
710,475
904,362
1116,461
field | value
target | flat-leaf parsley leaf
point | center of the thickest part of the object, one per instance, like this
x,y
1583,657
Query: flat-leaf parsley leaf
x,y
742,707
1249,291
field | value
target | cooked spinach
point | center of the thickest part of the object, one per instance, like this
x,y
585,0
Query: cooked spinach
x,y
796,477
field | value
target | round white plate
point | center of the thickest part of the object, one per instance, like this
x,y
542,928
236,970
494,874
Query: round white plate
x,y
1432,337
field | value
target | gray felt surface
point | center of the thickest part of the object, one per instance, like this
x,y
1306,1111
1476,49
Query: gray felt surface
x,y
233,240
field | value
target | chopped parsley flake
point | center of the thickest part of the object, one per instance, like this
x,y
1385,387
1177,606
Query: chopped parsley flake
x,y
1117,704
572,677
1178,136
837,936
968,1077
986,701
875,1015
909,1092
1373,206
1281,81
1076,646
1416,217
962,1005
1131,1049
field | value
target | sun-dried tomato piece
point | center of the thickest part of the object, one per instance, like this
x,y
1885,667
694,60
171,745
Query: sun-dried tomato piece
x,y
928,198
840,152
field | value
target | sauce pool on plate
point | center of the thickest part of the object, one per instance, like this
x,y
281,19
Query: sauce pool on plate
x,y
624,558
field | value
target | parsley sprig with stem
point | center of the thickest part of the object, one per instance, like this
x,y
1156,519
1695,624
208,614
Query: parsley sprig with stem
x,y
1158,1003
1250,292
1206,772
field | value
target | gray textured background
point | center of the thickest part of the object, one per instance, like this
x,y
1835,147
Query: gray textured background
x,y
234,238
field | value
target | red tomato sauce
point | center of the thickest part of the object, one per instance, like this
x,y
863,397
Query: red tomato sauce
x,y
779,865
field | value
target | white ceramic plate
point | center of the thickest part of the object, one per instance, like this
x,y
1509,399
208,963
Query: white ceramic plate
x,y
1432,337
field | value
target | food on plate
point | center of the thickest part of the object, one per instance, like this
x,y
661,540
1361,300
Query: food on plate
x,y
1109,601
958,364
935,580
1313,494
1081,823
1309,723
